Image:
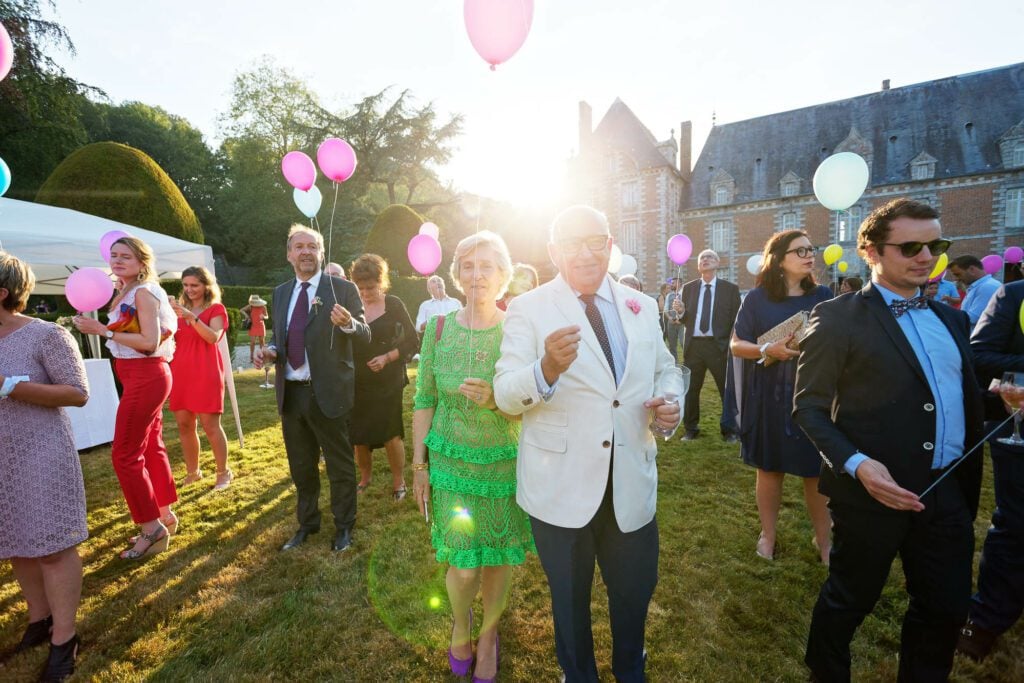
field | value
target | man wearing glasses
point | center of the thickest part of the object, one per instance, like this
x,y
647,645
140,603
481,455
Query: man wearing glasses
x,y
886,390
583,362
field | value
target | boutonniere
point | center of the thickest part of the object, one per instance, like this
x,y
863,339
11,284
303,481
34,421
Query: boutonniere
x,y
317,302
633,305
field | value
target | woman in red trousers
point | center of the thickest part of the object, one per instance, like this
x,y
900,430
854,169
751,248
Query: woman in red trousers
x,y
140,338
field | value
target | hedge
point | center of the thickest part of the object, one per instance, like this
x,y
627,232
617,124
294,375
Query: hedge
x,y
124,184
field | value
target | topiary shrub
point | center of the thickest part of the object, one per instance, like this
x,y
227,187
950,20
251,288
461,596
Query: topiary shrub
x,y
389,237
119,182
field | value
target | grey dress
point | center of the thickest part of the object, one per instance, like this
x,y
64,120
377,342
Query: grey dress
x,y
42,497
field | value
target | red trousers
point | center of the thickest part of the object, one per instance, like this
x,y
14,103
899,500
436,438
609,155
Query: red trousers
x,y
138,452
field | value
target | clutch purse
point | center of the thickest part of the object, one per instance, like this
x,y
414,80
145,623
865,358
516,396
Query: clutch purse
x,y
795,325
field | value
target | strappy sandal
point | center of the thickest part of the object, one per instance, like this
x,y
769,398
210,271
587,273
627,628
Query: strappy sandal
x,y
362,487
192,477
398,494
157,544
170,521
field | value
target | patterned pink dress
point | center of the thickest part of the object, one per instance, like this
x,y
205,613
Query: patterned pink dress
x,y
42,497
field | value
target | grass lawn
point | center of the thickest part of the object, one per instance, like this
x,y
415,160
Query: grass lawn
x,y
224,604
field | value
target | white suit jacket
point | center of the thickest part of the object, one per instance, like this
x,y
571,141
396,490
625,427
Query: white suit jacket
x,y
566,443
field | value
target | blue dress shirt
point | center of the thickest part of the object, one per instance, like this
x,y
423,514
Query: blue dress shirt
x,y
979,293
940,359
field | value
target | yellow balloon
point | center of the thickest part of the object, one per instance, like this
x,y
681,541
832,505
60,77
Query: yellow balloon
x,y
940,266
842,266
833,253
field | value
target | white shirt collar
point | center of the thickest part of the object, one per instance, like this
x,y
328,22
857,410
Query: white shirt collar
x,y
314,282
714,281
604,291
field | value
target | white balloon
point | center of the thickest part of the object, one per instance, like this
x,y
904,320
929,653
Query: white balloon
x,y
308,202
840,180
627,266
754,264
430,229
615,260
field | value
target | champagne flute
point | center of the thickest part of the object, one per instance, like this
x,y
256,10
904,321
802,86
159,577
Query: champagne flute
x,y
671,396
1012,391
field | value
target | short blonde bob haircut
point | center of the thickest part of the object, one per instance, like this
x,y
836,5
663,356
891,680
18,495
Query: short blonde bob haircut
x,y
484,238
19,281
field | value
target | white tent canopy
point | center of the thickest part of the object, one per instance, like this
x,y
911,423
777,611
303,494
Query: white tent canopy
x,y
56,242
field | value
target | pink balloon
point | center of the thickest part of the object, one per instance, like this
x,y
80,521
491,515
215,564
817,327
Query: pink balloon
x,y
679,249
88,289
424,254
430,229
107,241
992,264
6,53
497,28
1013,255
337,159
298,170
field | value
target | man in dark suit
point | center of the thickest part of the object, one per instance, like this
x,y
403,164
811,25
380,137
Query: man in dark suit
x,y
998,345
710,305
886,390
316,316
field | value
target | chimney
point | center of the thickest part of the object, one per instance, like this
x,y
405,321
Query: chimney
x,y
885,85
586,127
685,151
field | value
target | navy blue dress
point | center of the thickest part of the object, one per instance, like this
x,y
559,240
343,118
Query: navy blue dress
x,y
771,441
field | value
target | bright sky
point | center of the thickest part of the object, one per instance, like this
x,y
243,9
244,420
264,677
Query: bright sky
x,y
668,60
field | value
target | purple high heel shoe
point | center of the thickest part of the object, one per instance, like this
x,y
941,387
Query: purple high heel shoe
x,y
497,663
460,667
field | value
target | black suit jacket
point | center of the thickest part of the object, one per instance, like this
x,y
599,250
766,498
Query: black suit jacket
x,y
998,342
725,306
331,368
860,387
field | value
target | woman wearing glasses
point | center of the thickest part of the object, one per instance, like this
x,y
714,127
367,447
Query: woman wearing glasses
x,y
771,441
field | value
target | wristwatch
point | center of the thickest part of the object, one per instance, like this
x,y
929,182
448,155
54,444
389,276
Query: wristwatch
x,y
764,349
109,334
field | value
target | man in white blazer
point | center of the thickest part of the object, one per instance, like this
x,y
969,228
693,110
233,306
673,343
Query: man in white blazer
x,y
583,362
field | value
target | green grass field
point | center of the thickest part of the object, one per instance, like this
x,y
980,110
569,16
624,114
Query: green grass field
x,y
225,604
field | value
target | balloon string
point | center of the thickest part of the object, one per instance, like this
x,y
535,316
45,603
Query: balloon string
x,y
964,456
330,244
471,317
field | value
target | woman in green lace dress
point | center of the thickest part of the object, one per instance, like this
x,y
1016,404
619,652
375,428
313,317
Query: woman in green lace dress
x,y
470,475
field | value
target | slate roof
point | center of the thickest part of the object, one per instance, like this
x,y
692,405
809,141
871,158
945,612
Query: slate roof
x,y
957,120
621,129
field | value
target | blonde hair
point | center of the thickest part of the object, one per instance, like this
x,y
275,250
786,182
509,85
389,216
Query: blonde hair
x,y
484,238
370,268
143,252
18,279
207,279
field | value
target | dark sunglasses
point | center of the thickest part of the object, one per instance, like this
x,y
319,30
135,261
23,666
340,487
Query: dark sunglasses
x,y
803,252
912,249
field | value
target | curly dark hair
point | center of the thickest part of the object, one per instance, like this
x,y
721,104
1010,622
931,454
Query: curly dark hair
x,y
771,276
370,268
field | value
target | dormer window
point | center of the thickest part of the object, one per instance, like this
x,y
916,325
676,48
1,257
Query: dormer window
x,y
721,195
922,167
790,189
1018,154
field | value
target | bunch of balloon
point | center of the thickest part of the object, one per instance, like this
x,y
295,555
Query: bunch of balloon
x,y
679,248
6,61
831,256
424,251
839,181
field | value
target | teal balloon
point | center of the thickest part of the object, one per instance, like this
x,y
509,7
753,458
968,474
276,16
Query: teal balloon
x,y
309,201
5,177
840,180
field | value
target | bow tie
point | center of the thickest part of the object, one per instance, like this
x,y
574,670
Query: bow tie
x,y
901,306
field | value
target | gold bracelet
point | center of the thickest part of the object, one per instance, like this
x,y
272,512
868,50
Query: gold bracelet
x,y
420,466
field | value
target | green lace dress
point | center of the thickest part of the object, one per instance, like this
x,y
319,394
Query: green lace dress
x,y
475,519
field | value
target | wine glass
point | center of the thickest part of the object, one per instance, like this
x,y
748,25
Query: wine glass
x,y
1012,391
673,391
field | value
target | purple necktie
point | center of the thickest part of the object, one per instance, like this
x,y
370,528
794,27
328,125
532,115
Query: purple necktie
x,y
297,330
